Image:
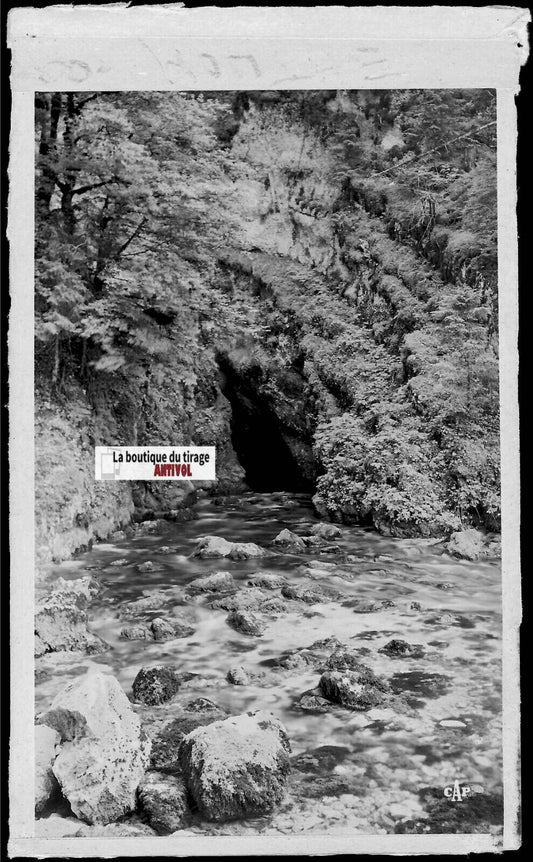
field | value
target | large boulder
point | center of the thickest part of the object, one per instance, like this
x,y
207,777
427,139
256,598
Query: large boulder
x,y
47,741
104,752
210,547
218,582
155,685
237,767
166,743
164,800
466,544
61,625
358,690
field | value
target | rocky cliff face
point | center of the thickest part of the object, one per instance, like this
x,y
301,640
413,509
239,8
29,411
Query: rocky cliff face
x,y
347,347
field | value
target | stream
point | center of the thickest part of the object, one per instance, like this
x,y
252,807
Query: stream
x,y
351,771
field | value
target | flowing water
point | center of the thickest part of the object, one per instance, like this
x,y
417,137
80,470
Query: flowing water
x,y
351,770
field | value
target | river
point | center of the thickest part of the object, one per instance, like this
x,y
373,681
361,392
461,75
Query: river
x,y
362,772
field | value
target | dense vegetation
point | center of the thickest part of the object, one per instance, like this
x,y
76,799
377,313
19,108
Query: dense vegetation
x,y
348,235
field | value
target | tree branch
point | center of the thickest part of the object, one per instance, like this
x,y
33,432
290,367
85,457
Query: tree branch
x,y
82,189
135,233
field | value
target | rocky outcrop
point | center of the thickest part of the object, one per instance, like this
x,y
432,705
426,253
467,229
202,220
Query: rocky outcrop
x,y
164,800
238,767
61,625
104,752
155,685
47,788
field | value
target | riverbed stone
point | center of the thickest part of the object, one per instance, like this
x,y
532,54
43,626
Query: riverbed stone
x,y
343,658
311,594
47,742
326,531
238,767
149,566
145,603
267,580
246,623
352,689
401,649
162,630
289,540
248,599
211,547
136,633
238,676
61,624
163,798
104,752
313,701
87,586
155,685
245,551
215,583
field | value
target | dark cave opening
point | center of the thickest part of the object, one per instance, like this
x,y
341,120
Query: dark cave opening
x,y
273,458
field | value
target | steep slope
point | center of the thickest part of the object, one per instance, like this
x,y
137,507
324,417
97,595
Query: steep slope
x,y
313,294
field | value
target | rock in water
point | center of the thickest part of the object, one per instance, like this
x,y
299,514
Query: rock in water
x,y
238,676
154,685
267,580
352,689
47,742
87,586
216,583
237,767
166,744
245,550
326,531
136,633
163,630
466,544
210,547
104,752
164,799
246,623
289,540
61,625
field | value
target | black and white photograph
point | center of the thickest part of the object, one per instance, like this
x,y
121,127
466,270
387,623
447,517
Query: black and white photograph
x,y
302,285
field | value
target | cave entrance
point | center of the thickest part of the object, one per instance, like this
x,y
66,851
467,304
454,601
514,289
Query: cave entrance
x,y
273,457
